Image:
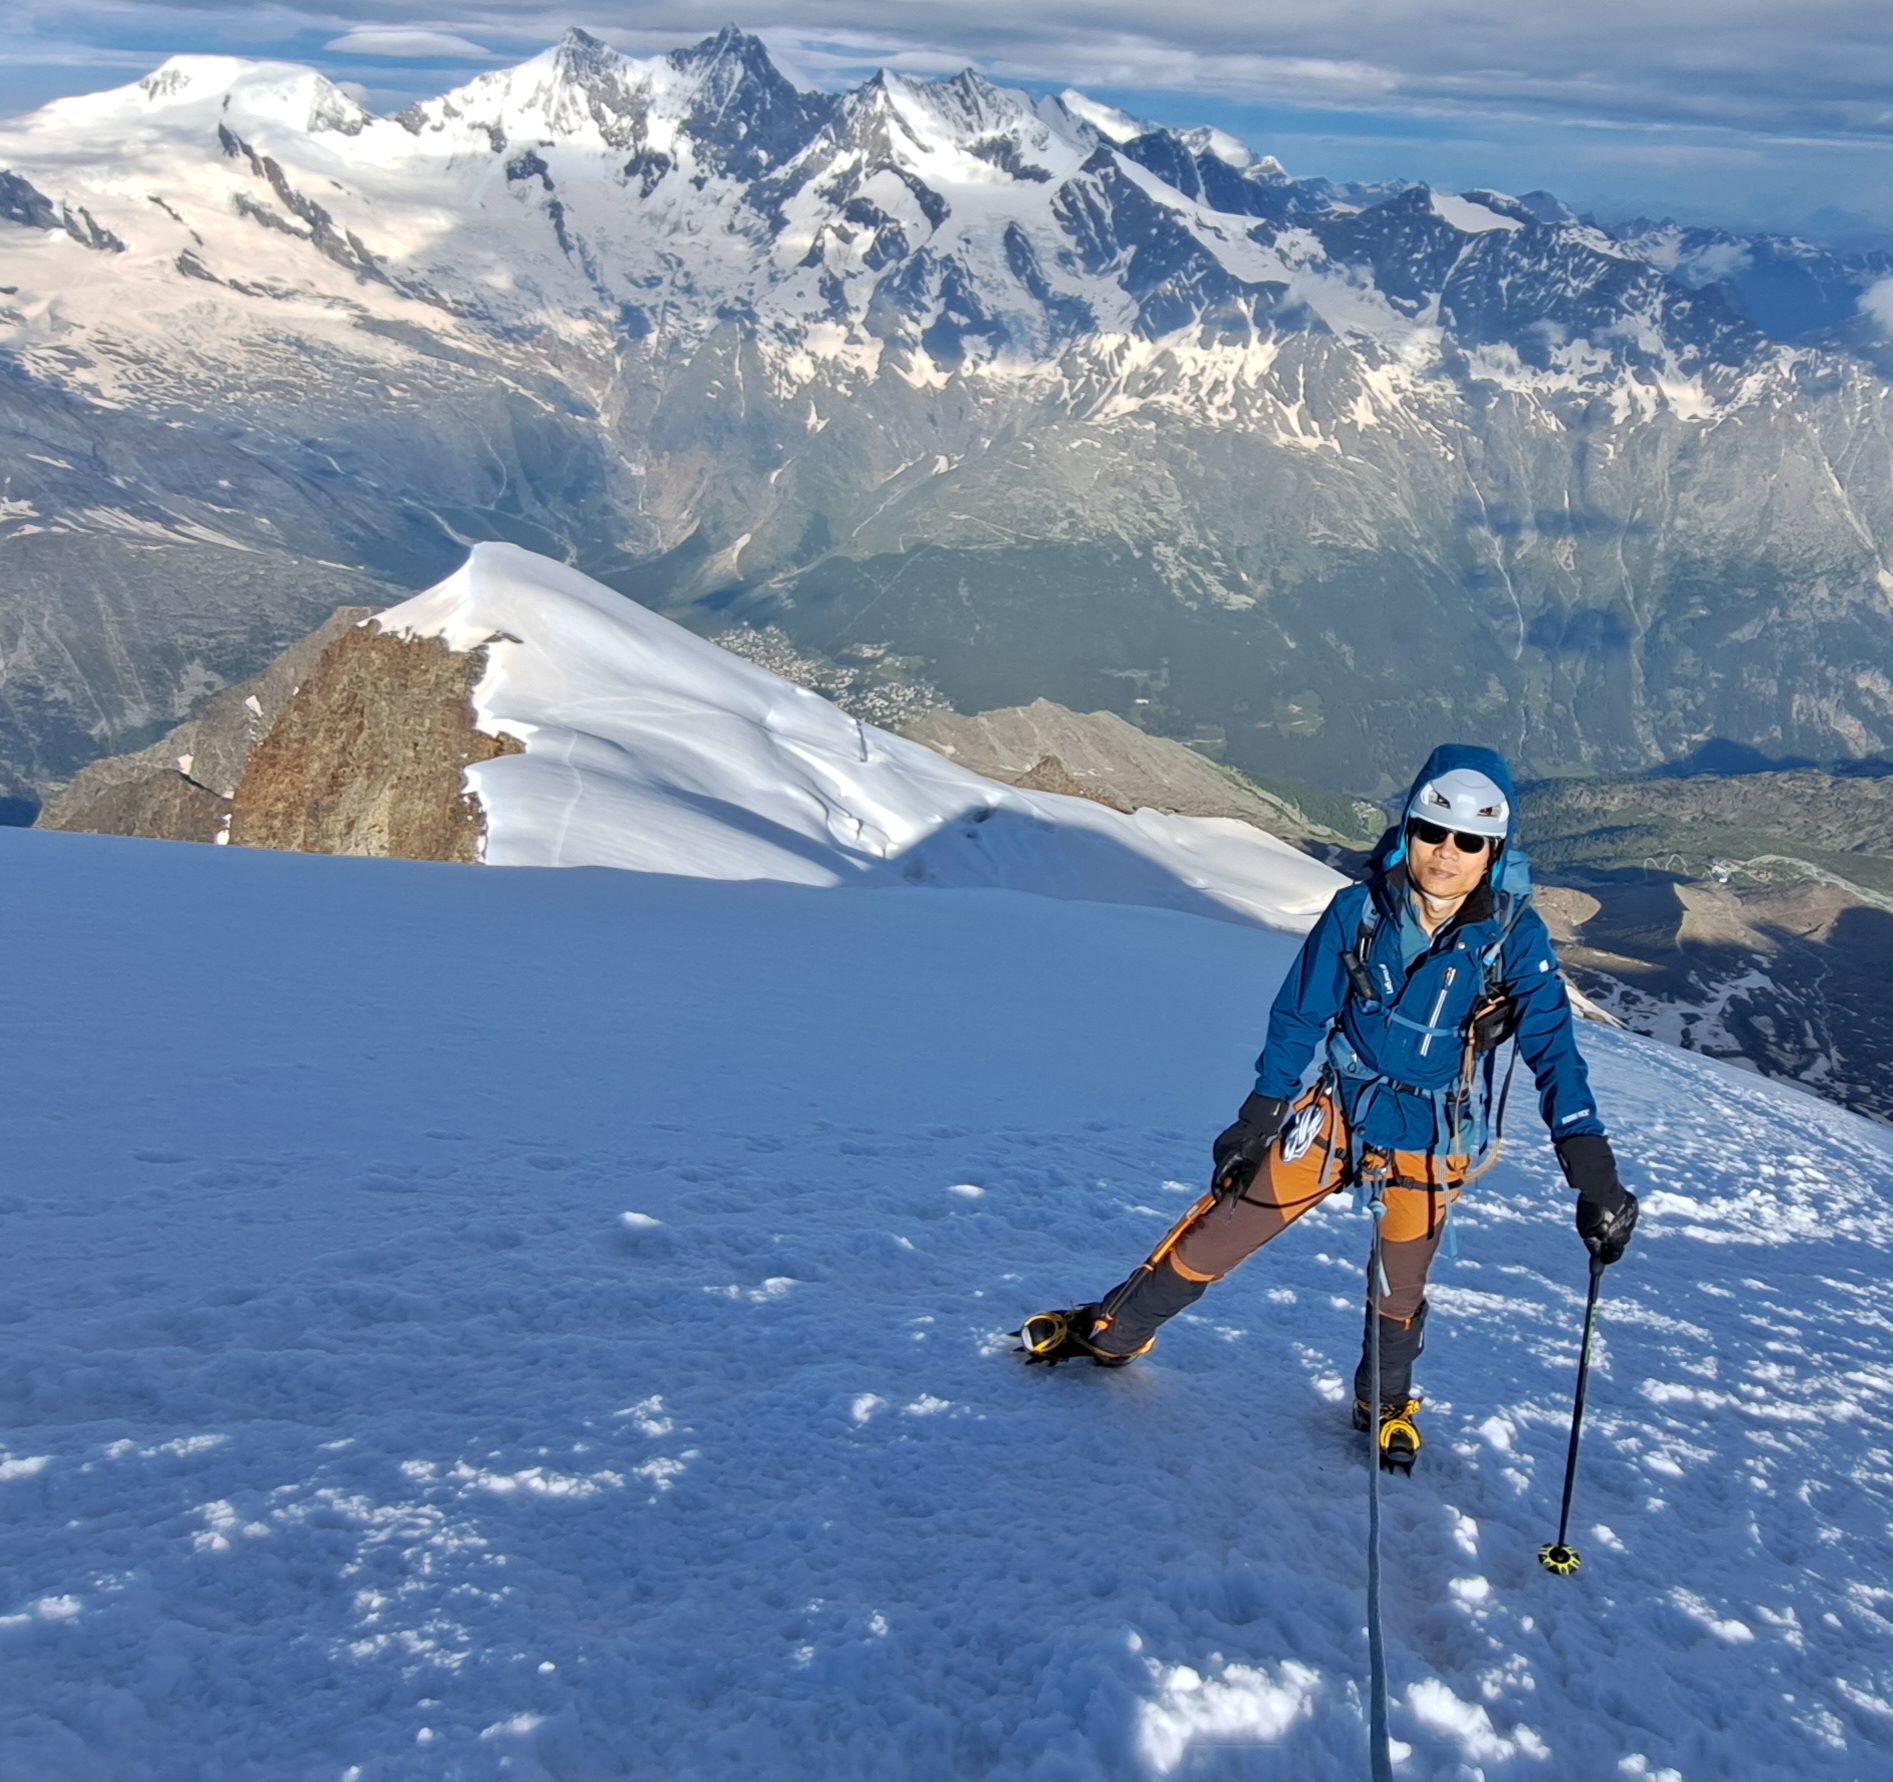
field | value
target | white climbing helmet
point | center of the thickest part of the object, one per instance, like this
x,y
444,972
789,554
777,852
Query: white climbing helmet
x,y
1464,799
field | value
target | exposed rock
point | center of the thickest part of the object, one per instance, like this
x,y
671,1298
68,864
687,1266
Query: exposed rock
x,y
1565,911
352,742
163,805
1049,774
369,756
140,794
1099,755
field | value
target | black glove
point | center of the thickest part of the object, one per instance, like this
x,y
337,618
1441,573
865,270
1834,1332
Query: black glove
x,y
1240,1148
1606,1209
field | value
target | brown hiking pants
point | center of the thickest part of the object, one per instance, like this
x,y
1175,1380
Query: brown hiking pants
x,y
1210,1240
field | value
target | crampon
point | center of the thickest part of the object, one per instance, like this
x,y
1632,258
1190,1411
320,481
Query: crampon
x,y
1052,1337
1399,1432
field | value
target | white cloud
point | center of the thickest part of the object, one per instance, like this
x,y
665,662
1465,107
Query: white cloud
x,y
1876,304
396,42
1718,261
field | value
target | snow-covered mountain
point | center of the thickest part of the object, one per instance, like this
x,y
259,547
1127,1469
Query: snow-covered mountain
x,y
647,748
464,1324
640,746
522,714
1056,403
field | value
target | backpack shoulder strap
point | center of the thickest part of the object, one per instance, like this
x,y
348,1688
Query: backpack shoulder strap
x,y
1360,981
1512,893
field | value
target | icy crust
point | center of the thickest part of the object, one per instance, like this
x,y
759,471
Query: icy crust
x,y
647,748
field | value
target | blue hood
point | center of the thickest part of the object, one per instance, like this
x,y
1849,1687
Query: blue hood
x,y
1393,845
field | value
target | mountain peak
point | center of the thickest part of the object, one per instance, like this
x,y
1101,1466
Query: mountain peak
x,y
743,115
286,92
1206,139
965,106
727,59
1109,122
972,83
730,40
582,57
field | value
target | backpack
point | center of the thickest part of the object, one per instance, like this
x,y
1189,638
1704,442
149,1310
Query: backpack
x,y
1492,1020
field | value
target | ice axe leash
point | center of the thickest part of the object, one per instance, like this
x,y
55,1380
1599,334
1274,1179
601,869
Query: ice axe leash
x,y
1559,1556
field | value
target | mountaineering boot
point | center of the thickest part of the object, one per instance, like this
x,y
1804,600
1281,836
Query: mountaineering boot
x,y
1399,1431
1140,1306
1052,1337
1401,1342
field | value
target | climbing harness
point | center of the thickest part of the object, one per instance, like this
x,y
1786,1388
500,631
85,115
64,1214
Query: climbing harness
x,y
1468,1112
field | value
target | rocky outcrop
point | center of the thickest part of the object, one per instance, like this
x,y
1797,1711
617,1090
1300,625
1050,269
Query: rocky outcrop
x,y
163,805
180,788
354,741
370,755
1049,774
1047,747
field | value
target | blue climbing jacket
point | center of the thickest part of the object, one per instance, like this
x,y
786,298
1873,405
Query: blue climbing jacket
x,y
1398,1060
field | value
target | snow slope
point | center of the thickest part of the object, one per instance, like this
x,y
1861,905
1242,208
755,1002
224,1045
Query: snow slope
x,y
553,1324
647,747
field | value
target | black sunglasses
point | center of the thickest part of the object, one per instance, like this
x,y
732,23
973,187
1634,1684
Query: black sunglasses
x,y
1434,836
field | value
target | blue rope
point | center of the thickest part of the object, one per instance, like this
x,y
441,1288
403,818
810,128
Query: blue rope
x,y
1379,1757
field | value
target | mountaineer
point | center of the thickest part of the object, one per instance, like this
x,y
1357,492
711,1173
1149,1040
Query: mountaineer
x,y
1405,991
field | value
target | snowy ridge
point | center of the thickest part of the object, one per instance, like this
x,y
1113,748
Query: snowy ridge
x,y
970,224
646,747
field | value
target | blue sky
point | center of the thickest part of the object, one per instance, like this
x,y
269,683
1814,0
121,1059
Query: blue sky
x,y
1748,113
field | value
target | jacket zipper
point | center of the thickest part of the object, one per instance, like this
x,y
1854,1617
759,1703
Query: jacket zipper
x,y
1439,1002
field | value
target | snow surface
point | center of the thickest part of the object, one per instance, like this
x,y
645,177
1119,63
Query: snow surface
x,y
647,747
1112,124
1469,216
472,1323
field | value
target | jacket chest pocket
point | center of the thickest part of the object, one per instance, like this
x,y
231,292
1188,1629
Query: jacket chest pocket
x,y
1421,1043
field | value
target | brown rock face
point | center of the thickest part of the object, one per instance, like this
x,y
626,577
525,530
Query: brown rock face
x,y
1048,748
1049,774
369,755
162,805
138,794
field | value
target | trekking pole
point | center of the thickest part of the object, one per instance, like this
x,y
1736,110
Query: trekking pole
x,y
1558,1556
